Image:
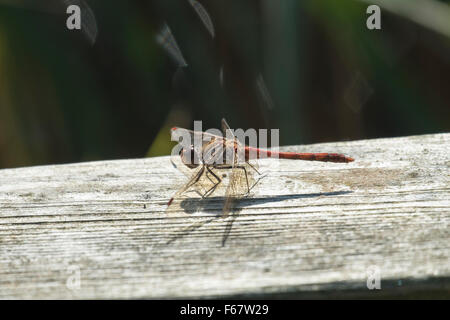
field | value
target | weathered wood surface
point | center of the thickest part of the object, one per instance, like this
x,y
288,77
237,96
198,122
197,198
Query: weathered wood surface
x,y
310,229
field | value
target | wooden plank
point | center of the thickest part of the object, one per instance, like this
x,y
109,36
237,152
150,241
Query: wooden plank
x,y
100,230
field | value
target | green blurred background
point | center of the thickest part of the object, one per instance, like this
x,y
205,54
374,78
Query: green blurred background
x,y
310,68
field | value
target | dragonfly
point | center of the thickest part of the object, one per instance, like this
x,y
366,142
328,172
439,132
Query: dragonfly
x,y
216,157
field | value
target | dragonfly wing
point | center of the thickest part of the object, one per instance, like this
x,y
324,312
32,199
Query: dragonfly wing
x,y
230,194
204,16
202,136
225,126
252,162
226,130
186,138
237,184
241,179
167,41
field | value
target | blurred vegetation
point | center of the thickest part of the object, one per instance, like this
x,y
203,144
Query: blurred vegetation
x,y
310,68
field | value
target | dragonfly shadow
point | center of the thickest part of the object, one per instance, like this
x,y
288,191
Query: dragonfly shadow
x,y
284,197
214,206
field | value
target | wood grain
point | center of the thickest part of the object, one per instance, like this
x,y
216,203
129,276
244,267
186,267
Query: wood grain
x,y
100,230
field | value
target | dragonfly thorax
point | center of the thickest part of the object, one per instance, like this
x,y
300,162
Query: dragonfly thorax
x,y
212,155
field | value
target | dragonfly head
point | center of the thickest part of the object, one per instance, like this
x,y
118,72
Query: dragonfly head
x,y
189,157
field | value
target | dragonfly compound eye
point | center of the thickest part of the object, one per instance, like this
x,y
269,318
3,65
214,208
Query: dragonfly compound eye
x,y
189,158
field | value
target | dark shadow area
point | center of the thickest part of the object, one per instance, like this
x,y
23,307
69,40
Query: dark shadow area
x,y
423,289
214,207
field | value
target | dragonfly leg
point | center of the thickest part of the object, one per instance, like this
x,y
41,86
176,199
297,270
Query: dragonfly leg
x,y
195,180
253,167
210,171
256,182
211,190
197,177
